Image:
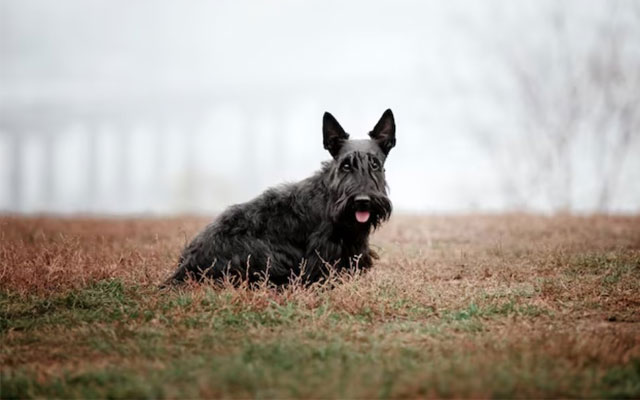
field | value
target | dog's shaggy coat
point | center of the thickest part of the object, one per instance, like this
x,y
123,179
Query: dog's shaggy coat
x,y
302,229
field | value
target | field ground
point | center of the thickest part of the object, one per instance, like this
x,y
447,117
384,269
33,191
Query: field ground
x,y
468,306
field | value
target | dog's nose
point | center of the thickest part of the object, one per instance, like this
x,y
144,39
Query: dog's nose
x,y
362,201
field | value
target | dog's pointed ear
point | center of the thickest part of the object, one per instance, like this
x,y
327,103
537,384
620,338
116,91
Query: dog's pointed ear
x,y
332,134
384,133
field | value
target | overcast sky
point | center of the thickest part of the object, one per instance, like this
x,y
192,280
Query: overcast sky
x,y
255,78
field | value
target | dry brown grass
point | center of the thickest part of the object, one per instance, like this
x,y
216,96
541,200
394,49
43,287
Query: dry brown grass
x,y
480,306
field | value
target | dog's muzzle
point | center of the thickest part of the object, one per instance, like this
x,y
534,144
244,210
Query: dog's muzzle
x,y
362,205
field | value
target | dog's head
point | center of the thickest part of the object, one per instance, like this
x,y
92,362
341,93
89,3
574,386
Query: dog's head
x,y
357,181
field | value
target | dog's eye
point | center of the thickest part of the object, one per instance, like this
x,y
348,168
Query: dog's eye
x,y
375,165
346,167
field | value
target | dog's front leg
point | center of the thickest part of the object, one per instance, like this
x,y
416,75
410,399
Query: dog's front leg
x,y
322,256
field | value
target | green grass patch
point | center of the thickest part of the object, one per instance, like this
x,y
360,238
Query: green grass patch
x,y
104,301
293,367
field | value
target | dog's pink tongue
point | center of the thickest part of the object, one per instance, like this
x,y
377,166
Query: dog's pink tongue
x,y
362,216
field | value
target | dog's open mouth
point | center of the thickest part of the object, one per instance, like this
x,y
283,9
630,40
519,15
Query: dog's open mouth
x,y
362,216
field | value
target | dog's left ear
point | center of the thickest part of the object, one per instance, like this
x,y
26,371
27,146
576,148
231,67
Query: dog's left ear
x,y
384,133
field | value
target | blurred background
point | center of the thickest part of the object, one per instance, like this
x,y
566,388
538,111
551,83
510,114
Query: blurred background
x,y
168,107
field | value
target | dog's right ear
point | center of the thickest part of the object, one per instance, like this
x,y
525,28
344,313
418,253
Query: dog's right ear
x,y
333,135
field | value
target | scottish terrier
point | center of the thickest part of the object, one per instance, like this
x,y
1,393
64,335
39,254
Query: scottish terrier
x,y
306,229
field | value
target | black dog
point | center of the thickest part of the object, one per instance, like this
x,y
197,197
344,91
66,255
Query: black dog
x,y
302,229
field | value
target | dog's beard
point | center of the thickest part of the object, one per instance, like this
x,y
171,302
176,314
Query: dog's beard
x,y
343,211
380,210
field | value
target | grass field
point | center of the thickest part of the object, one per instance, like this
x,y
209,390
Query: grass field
x,y
469,306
